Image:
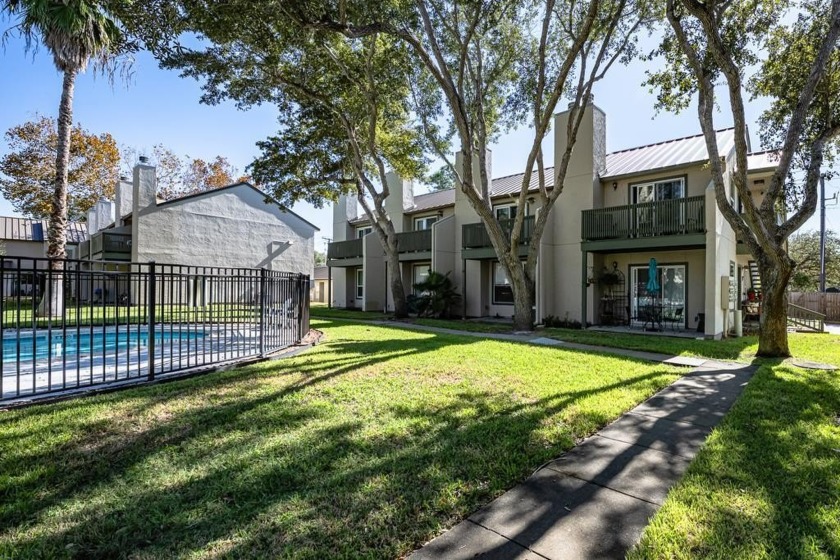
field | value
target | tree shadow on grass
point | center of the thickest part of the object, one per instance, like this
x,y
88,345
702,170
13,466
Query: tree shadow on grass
x,y
263,465
768,483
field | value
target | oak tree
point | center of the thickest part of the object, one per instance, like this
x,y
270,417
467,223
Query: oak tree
x,y
718,42
804,249
496,64
27,170
344,105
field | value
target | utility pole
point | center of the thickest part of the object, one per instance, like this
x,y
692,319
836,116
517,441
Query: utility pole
x,y
822,233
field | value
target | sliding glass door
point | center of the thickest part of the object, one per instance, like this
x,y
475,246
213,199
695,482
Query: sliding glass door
x,y
643,197
671,294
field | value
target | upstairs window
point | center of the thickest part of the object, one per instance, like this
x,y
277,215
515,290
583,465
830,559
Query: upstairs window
x,y
362,231
425,222
665,189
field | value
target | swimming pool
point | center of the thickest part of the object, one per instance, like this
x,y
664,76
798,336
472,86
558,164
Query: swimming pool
x,y
28,347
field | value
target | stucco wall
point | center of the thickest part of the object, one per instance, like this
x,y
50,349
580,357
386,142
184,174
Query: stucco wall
x,y
27,249
721,251
443,247
580,191
694,261
696,180
233,227
375,286
344,287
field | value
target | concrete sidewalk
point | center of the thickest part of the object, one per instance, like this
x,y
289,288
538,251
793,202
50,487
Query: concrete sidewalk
x,y
595,500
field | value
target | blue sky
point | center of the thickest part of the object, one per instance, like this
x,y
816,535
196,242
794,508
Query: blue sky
x,y
158,106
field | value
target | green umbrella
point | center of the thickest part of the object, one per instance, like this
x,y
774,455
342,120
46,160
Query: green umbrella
x,y
653,283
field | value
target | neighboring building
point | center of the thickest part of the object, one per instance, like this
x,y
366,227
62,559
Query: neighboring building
x,y
616,213
320,285
27,238
233,226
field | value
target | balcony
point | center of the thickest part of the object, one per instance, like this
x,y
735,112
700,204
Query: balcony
x,y
107,245
475,236
415,241
624,227
351,249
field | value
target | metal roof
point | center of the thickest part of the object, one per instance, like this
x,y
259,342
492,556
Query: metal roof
x,y
762,161
432,200
27,229
642,159
664,155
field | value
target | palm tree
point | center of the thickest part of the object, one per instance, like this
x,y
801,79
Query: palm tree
x,y
74,32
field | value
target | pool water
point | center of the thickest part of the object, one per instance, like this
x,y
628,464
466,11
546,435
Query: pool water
x,y
42,345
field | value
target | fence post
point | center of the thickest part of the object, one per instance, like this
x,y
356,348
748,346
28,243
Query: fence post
x,y
151,303
304,308
263,281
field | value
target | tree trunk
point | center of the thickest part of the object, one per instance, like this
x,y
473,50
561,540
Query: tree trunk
x,y
523,302
773,336
52,302
396,283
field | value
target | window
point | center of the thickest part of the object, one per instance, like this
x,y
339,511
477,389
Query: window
x,y
655,219
502,291
419,273
362,231
424,222
360,283
667,189
505,212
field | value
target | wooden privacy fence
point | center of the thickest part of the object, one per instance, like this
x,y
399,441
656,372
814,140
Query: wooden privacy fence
x,y
826,303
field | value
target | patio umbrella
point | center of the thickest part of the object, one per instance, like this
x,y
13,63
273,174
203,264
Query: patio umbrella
x,y
653,283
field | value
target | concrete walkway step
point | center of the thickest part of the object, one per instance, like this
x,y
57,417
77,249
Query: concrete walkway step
x,y
595,500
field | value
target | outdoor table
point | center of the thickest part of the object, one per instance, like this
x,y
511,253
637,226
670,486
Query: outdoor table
x,y
652,314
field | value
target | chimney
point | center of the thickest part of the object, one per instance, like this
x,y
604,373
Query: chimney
x,y
91,223
345,209
589,154
400,198
104,210
145,187
123,199
459,166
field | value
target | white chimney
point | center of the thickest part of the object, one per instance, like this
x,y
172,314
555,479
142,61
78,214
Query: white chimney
x,y
123,199
145,187
345,209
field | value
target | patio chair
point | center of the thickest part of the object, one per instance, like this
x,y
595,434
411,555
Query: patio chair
x,y
675,318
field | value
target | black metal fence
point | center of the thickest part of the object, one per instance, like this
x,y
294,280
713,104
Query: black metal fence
x,y
71,324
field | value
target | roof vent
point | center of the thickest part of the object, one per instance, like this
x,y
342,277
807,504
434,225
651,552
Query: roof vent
x,y
144,159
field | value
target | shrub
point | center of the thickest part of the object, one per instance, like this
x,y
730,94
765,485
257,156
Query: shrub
x,y
550,321
437,296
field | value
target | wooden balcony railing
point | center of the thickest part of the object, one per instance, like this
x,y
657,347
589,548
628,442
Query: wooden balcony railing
x,y
649,219
475,236
345,249
414,241
107,242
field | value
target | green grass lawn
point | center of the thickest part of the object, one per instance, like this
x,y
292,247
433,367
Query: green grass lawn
x,y
737,349
22,316
767,482
366,446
